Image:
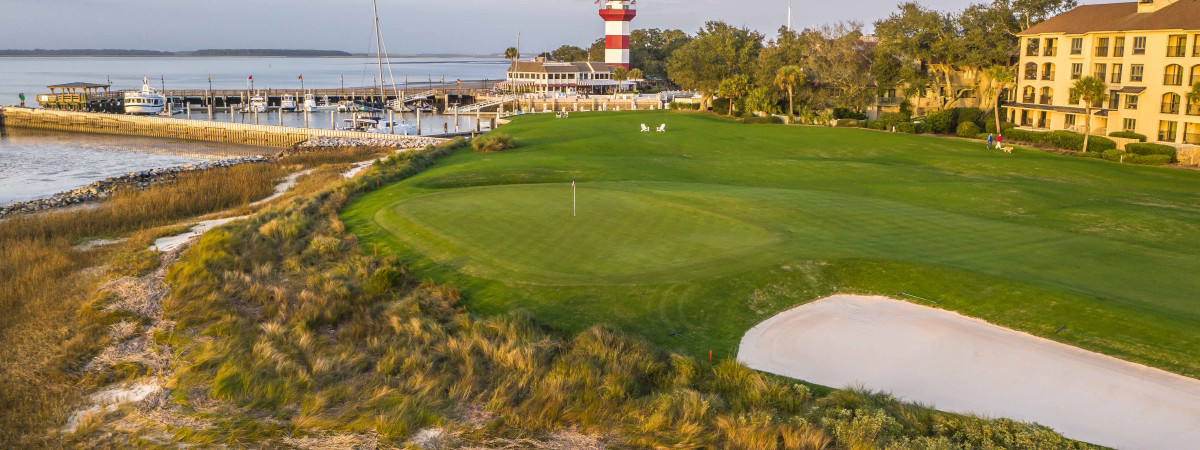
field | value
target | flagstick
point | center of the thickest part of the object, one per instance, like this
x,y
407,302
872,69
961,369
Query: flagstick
x,y
573,203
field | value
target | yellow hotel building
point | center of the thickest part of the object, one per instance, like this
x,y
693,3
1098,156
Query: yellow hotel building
x,y
1147,52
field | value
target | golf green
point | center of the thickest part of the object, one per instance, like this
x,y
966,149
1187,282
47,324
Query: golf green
x,y
714,226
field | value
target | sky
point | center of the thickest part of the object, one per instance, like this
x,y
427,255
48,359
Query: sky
x,y
409,26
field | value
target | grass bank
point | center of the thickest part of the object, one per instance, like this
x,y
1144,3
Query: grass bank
x,y
714,226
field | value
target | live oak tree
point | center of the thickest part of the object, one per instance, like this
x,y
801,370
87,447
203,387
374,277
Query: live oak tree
x,y
569,53
719,51
839,64
1091,91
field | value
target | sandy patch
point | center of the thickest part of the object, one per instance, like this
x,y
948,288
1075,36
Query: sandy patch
x,y
109,400
357,168
172,243
966,365
95,243
283,187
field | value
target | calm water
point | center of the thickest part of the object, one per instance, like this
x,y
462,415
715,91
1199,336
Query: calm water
x,y
40,164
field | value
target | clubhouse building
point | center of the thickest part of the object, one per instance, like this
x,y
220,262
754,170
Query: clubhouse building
x,y
1147,52
561,78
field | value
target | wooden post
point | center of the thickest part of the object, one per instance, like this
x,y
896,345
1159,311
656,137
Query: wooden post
x,y
418,120
188,107
281,116
332,120
391,121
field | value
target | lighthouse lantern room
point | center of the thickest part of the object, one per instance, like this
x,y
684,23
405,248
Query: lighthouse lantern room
x,y
617,14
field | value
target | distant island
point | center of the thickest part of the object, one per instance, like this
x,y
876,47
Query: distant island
x,y
83,52
205,52
265,52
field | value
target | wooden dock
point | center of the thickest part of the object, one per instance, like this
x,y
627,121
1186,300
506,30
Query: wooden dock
x,y
199,130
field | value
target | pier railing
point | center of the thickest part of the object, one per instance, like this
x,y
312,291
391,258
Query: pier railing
x,y
200,130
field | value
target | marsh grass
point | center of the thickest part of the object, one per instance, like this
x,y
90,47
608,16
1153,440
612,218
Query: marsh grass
x,y
292,330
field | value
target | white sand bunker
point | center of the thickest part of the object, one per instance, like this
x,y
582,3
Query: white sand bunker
x,y
966,365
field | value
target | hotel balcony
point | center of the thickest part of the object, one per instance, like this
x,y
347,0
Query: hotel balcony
x,y
1176,51
1191,138
1169,108
1193,109
1044,100
1166,136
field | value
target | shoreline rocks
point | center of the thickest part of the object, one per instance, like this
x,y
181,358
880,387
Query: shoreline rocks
x,y
332,142
133,180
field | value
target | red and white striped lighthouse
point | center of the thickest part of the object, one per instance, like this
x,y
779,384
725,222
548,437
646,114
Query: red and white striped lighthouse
x,y
617,14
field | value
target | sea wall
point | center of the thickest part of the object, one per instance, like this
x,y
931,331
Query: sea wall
x,y
199,130
133,180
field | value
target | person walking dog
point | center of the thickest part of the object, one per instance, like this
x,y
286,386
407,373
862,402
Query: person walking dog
x,y
991,140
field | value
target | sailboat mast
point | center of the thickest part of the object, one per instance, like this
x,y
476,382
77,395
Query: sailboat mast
x,y
379,51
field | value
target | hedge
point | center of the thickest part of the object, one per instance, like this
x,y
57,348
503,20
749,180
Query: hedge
x,y
1112,155
968,115
1068,140
762,120
1152,149
846,123
990,126
894,117
1129,135
1026,136
1149,160
684,106
941,122
910,128
968,129
847,113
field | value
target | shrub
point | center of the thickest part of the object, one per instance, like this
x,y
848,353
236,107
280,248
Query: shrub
x,y
910,128
493,142
1026,136
941,122
1093,155
846,123
983,136
847,113
895,117
1074,141
720,106
965,115
1152,149
1112,155
989,125
878,125
1149,160
968,129
1129,135
684,106
762,120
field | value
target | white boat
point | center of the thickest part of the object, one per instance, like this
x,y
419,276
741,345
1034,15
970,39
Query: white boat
x,y
288,102
258,104
398,106
371,124
145,101
310,104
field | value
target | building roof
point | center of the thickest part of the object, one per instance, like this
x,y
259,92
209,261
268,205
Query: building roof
x,y
1132,90
78,84
1114,17
559,67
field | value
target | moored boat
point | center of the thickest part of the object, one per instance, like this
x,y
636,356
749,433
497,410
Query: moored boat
x,y
145,101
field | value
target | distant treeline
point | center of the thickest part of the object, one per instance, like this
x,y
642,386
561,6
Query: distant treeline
x,y
83,52
266,52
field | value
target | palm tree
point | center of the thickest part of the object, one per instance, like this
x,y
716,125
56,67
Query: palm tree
x,y
997,78
620,74
734,88
1090,91
788,77
512,54
636,75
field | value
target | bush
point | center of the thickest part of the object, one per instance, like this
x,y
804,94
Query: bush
x,y
878,125
1026,136
847,113
762,120
941,122
1093,155
1129,135
990,126
1068,140
684,106
983,136
493,142
1149,160
1152,149
1112,155
846,123
720,106
968,129
971,115
895,117
910,128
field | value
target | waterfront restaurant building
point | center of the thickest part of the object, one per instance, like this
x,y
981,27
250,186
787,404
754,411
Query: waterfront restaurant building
x,y
569,78
1148,53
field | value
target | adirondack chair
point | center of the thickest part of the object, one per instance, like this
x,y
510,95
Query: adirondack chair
x,y
662,128
645,128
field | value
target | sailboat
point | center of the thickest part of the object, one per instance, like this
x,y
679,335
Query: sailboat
x,y
383,126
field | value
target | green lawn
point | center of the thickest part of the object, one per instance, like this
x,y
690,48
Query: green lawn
x,y
714,226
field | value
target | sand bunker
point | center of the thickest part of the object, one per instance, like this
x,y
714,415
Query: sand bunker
x,y
966,365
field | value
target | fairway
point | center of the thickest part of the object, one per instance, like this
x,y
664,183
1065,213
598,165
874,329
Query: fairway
x,y
714,226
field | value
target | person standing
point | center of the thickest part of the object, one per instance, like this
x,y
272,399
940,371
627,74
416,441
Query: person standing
x,y
22,99
991,139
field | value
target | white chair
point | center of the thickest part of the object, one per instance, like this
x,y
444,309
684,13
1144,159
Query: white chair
x,y
662,128
645,128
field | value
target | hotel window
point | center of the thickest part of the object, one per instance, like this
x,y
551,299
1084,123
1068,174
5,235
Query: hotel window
x,y
1028,94
1173,76
1193,107
1031,47
1170,103
1076,71
1195,77
1129,124
1139,45
1114,99
1118,47
1135,72
1077,46
1167,130
1101,70
1048,71
1176,45
1050,49
1102,47
1131,101
1116,73
1047,95
1196,46
1031,71
1069,120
